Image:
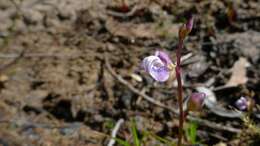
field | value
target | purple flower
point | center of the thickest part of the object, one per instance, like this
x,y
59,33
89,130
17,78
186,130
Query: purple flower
x,y
196,101
242,103
189,24
158,66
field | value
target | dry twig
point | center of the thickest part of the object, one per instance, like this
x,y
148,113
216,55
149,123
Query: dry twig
x,y
15,60
36,55
124,15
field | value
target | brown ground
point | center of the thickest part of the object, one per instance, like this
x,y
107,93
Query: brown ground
x,y
55,88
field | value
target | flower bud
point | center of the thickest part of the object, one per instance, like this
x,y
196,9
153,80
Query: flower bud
x,y
186,28
244,103
196,101
182,32
189,24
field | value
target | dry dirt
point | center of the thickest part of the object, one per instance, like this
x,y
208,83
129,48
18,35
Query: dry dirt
x,y
55,88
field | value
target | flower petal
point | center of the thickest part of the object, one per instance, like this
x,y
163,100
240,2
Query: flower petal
x,y
147,62
160,74
164,57
156,68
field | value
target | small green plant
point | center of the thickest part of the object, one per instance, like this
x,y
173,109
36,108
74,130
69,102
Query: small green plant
x,y
191,132
251,126
161,140
109,124
135,133
122,142
141,138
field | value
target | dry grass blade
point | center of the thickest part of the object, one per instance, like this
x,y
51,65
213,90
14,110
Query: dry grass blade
x,y
15,60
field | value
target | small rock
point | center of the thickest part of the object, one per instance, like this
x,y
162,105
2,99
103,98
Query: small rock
x,y
98,118
32,16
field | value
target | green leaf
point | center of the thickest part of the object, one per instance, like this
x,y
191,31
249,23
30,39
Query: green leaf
x,y
135,134
160,139
121,142
191,132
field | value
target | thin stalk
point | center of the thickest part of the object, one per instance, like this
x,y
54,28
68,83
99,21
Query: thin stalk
x,y
178,76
